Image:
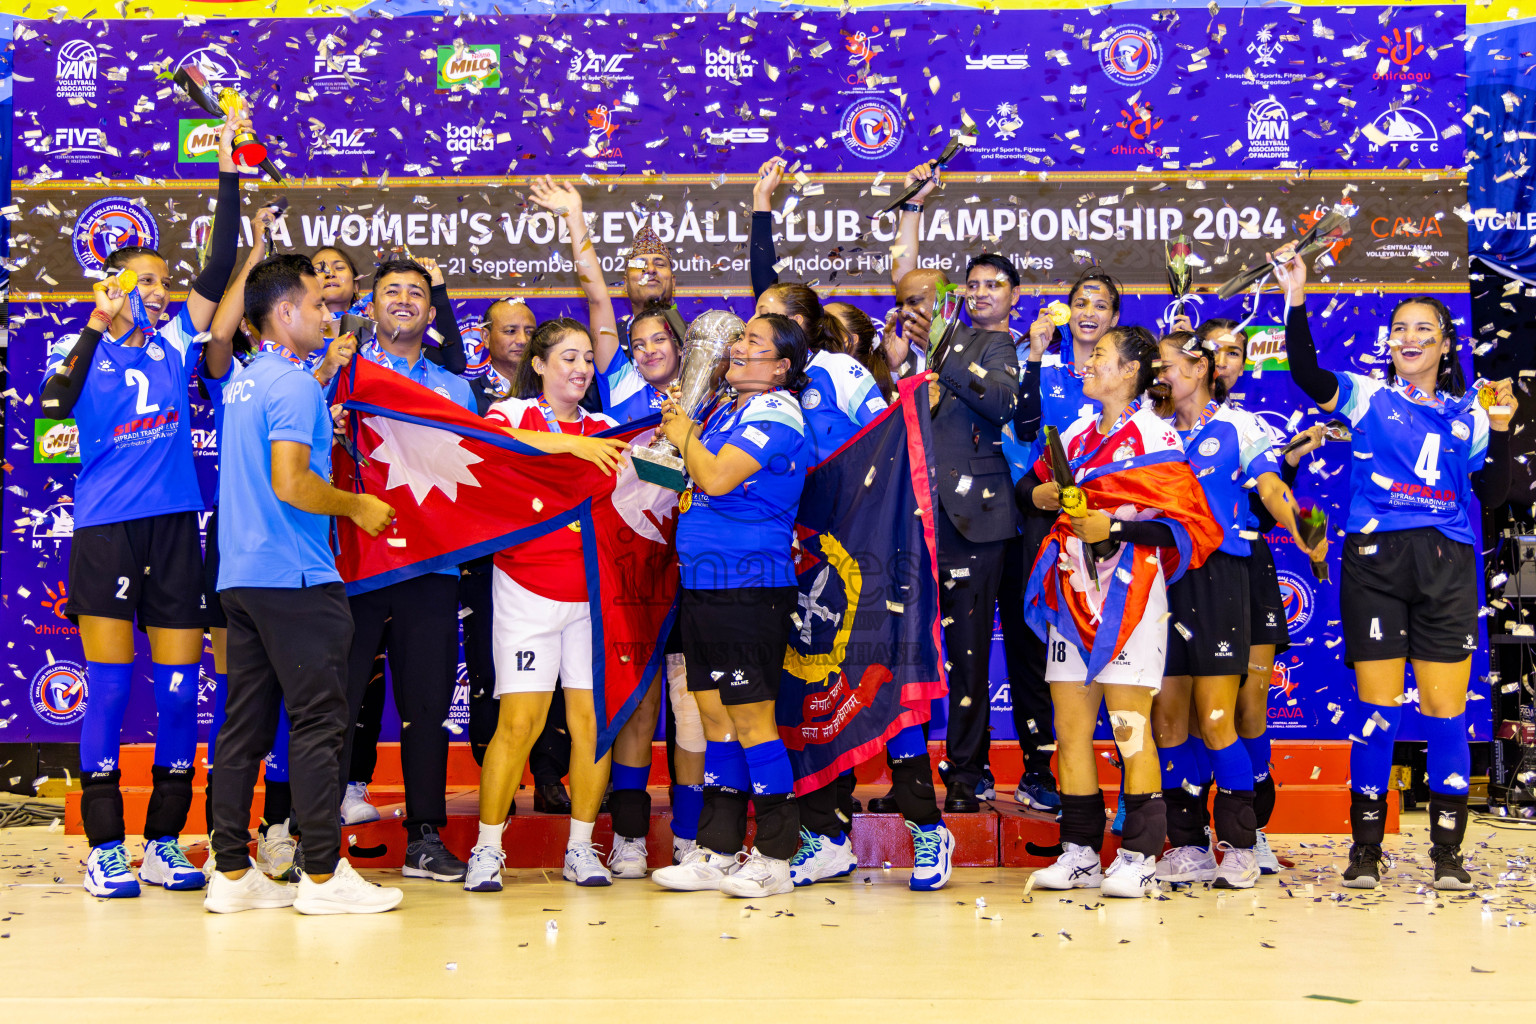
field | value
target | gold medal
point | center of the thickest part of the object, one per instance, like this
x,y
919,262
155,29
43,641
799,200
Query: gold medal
x,y
1487,396
1058,312
685,501
127,281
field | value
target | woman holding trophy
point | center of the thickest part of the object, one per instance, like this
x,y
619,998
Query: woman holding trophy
x,y
1423,447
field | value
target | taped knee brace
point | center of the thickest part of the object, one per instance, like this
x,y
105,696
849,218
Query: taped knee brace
x,y
685,710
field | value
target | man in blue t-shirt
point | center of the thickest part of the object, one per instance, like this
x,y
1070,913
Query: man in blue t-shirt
x,y
289,623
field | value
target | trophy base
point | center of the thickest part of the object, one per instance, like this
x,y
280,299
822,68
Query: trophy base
x,y
660,469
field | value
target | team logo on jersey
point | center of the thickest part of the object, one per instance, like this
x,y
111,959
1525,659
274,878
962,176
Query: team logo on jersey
x,y
59,692
871,127
1460,430
1210,446
811,399
1297,597
1125,451
110,224
1132,57
154,351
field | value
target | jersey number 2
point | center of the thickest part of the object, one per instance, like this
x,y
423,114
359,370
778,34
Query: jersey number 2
x,y
143,407
1427,468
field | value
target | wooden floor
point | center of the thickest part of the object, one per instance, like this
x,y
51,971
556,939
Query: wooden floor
x,y
1297,948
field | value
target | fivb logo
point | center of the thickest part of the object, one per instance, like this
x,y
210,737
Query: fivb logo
x,y
731,64
79,143
76,69
337,72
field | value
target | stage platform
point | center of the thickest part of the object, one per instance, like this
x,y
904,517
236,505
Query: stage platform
x,y
1313,798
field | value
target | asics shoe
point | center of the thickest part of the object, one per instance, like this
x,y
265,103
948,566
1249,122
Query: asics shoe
x,y
355,808
427,857
933,856
108,874
1365,864
758,876
275,852
820,858
483,873
681,848
986,786
1078,867
166,865
1450,873
1269,864
628,858
1239,868
583,866
346,892
1130,876
1187,864
251,891
701,869
1038,791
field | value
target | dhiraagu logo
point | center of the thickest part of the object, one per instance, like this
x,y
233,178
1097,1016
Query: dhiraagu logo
x,y
198,142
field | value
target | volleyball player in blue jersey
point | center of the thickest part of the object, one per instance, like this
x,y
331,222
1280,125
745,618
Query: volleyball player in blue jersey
x,y
1423,447
136,554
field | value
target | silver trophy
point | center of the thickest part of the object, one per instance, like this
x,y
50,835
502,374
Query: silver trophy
x,y
706,347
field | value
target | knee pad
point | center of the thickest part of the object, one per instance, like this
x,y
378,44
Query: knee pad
x,y
685,710
1146,823
101,807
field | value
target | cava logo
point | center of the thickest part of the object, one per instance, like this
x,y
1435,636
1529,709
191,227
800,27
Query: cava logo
x,y
471,67
198,142
997,62
75,70
1403,129
1269,130
729,64
55,441
591,66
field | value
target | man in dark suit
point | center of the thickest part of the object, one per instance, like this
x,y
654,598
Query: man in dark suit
x,y
973,391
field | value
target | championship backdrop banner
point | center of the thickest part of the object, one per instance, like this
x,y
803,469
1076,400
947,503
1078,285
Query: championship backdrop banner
x,y
1098,134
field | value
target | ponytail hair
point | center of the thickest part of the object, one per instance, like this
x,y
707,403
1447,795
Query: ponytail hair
x,y
1136,344
862,331
1196,348
823,332
788,343
527,382
1449,378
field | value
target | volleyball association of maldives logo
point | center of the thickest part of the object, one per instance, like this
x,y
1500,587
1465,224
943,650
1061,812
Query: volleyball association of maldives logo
x,y
871,127
1132,57
110,224
58,692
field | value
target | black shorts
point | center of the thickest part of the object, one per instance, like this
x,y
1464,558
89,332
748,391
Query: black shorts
x,y
1408,594
734,640
1266,607
1208,619
146,569
216,618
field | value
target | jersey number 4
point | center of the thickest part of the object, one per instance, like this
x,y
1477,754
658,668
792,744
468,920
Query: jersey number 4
x,y
1427,468
143,407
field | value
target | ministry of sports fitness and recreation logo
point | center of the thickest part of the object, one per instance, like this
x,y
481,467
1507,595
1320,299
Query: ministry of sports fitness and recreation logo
x,y
109,224
1269,130
1132,56
58,693
871,127
75,70
468,66
1298,599
1399,51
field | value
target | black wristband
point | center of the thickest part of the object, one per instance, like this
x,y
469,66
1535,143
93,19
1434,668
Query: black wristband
x,y
911,207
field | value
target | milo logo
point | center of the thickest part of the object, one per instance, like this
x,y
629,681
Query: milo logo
x,y
198,142
1266,349
56,441
463,65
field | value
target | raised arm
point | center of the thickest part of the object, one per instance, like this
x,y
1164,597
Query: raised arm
x,y
562,199
1318,384
1281,504
1491,482
209,286
62,387
761,253
449,352
904,249
218,353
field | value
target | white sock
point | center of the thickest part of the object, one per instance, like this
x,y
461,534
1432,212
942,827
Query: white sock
x,y
581,832
490,835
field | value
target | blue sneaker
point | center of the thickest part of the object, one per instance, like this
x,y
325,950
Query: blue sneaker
x,y
166,865
820,858
1039,792
986,786
933,854
1119,823
108,874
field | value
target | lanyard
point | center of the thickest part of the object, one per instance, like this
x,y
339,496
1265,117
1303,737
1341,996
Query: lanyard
x,y
496,385
1210,410
1124,418
722,419
272,346
549,416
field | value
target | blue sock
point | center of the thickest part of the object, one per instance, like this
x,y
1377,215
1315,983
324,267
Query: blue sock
x,y
1450,758
101,729
687,805
907,743
1178,764
1370,756
768,764
629,777
1204,772
1259,754
1233,770
276,762
219,698
726,766
176,715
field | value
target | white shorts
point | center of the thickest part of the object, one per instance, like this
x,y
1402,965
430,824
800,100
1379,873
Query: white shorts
x,y
536,641
1138,663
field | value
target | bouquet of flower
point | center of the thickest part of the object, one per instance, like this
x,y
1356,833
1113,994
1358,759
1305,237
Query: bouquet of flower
x,y
1312,524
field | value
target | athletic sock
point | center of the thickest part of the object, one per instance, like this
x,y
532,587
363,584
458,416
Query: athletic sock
x,y
1146,823
1259,756
773,786
581,832
101,729
1204,766
725,765
1370,754
1449,755
1231,767
175,715
768,767
687,802
490,835
1082,820
907,743
1180,770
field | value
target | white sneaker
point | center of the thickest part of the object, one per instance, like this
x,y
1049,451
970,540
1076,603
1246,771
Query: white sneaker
x,y
484,871
583,866
165,865
252,891
759,876
108,873
628,858
682,849
347,892
821,857
1239,868
274,853
355,808
701,869
1130,875
933,856
1269,864
1078,867
1187,864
